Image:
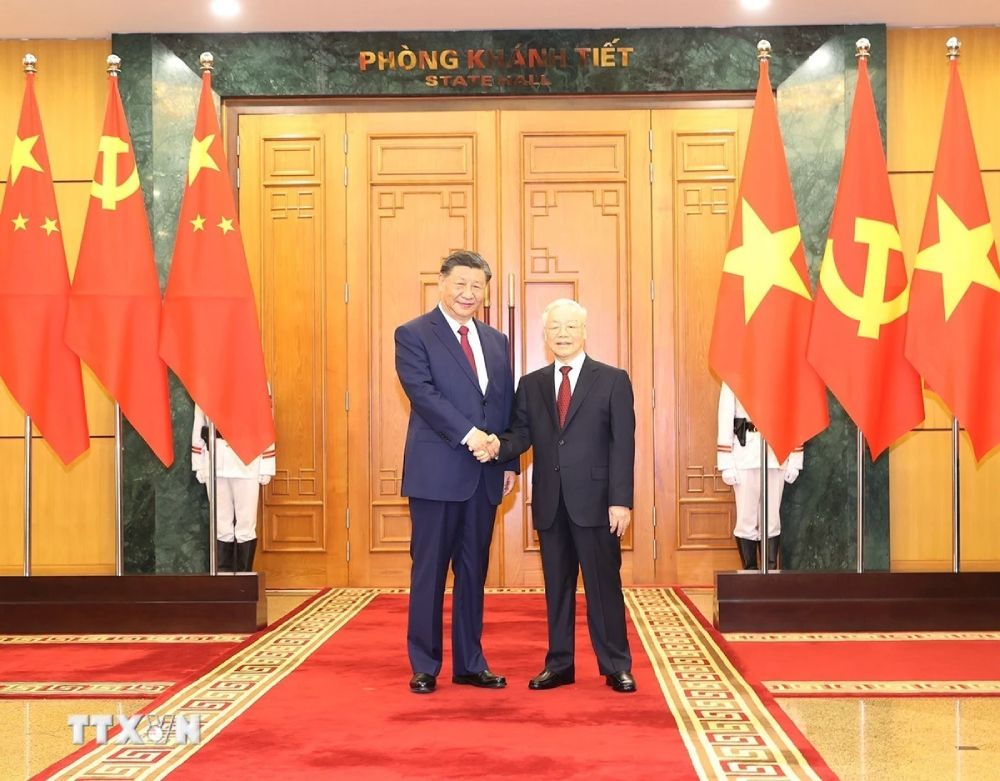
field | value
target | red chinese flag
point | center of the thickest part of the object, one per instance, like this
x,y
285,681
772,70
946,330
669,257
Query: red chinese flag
x,y
764,305
210,335
114,307
953,337
40,371
859,318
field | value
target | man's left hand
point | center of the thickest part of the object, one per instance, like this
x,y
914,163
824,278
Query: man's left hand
x,y
508,482
619,518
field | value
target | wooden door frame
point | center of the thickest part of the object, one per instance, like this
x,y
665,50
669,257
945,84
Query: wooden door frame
x,y
665,486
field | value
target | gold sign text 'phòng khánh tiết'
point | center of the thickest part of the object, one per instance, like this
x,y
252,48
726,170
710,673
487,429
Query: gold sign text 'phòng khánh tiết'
x,y
521,66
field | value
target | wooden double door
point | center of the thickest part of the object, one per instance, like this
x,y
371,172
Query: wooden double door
x,y
347,216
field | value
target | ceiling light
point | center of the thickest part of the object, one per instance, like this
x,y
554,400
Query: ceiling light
x,y
225,7
755,5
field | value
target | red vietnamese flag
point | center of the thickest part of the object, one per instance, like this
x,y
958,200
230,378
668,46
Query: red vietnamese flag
x,y
764,306
954,331
114,307
40,371
210,335
859,318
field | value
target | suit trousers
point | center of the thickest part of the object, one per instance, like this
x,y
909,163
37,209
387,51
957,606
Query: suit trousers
x,y
747,492
236,501
458,533
568,548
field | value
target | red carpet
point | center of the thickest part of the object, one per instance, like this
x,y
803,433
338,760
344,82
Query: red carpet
x,y
85,663
347,713
772,663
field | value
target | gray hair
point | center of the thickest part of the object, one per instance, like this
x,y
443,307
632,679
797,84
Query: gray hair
x,y
467,258
563,302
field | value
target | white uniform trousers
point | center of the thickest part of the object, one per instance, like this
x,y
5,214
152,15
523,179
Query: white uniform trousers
x,y
747,492
236,509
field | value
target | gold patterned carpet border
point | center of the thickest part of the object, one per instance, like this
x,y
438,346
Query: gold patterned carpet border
x,y
102,689
222,695
853,637
728,730
113,639
880,688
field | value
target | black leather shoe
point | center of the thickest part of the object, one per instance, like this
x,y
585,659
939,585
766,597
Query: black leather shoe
x,y
550,679
621,682
423,683
484,680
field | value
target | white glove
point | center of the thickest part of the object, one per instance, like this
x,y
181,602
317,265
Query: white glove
x,y
730,477
791,473
264,479
202,475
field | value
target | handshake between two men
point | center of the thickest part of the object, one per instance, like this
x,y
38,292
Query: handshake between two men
x,y
485,447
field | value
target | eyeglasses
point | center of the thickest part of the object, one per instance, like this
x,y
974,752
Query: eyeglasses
x,y
569,328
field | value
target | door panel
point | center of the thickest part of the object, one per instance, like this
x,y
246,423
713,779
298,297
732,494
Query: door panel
x,y
575,190
696,158
292,215
419,187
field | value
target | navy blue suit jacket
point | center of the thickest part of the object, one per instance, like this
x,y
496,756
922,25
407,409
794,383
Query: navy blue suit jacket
x,y
445,402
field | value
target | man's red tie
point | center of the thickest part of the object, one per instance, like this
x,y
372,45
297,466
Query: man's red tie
x,y
565,394
463,332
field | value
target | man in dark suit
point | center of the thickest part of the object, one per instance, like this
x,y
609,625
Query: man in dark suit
x,y
578,416
456,373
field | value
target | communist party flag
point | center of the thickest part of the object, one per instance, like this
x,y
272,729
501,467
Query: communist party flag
x,y
210,335
953,338
40,371
114,307
762,314
859,318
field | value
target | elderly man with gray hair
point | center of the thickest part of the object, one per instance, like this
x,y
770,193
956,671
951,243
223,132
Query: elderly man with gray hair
x,y
578,416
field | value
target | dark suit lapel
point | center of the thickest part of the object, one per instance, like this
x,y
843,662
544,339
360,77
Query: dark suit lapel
x,y
547,376
588,375
443,332
492,355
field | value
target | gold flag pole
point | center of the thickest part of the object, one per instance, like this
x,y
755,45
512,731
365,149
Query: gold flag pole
x,y
763,55
30,63
954,45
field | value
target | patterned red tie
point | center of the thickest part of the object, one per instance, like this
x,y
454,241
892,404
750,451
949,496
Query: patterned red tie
x,y
463,332
565,394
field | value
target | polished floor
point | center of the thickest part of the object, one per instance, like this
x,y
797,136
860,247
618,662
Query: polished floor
x,y
885,739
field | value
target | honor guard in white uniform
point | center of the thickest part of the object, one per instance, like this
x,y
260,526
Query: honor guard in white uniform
x,y
738,459
236,494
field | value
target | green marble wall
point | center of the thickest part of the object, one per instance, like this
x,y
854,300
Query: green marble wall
x,y
812,68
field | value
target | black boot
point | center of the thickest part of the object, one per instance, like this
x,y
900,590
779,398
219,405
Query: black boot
x,y
224,554
772,551
748,553
244,555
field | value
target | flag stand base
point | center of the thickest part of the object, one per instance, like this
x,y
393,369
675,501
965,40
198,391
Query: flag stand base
x,y
139,604
857,602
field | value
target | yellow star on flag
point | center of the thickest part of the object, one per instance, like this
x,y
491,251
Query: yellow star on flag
x,y
198,222
226,226
50,226
22,158
764,260
961,257
20,222
200,158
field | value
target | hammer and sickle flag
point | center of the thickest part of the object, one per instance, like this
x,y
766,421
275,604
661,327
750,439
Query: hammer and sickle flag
x,y
953,336
859,318
41,372
210,334
114,307
762,313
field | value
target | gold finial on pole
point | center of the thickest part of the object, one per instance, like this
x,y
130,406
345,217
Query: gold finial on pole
x,y
953,45
763,50
114,64
30,63
207,62
863,49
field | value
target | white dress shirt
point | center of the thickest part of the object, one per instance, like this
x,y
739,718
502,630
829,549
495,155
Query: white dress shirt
x,y
575,365
477,353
